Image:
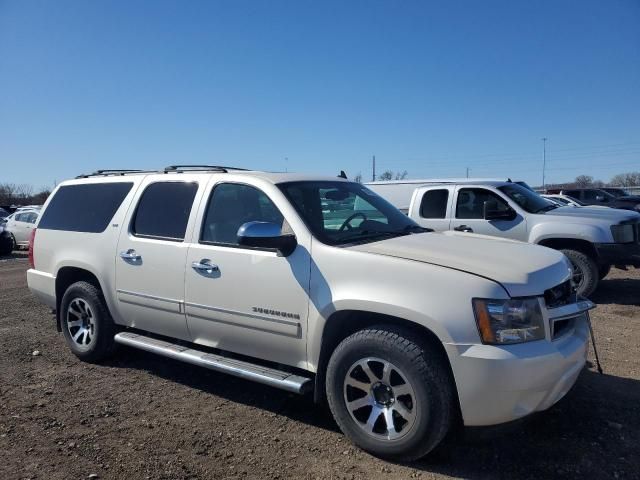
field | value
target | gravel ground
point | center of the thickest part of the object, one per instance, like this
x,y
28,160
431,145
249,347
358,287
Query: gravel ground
x,y
139,416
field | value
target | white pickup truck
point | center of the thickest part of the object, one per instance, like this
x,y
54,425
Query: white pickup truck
x,y
593,239
310,283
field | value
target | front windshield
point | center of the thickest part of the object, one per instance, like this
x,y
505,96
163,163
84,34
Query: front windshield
x,y
616,192
559,200
338,213
528,200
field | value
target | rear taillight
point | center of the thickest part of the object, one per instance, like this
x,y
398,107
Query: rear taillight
x,y
32,239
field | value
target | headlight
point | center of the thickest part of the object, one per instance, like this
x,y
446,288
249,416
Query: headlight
x,y
502,322
622,233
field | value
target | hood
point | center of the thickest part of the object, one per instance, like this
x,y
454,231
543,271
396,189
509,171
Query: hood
x,y
611,215
523,269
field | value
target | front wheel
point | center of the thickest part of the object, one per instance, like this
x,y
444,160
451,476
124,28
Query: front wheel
x,y
586,273
389,393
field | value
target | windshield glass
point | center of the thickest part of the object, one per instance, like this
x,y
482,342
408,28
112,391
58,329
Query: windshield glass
x,y
338,213
527,199
616,192
558,200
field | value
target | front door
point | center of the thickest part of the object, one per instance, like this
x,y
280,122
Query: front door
x,y
469,215
151,255
250,301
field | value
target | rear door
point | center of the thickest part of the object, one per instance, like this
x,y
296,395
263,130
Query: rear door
x,y
151,254
431,207
468,212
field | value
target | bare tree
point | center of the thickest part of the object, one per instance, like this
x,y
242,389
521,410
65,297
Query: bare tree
x,y
583,181
386,175
629,179
390,175
358,178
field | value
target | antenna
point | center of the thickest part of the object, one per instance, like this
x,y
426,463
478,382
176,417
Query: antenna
x,y
544,159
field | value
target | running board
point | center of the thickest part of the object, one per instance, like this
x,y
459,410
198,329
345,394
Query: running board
x,y
239,368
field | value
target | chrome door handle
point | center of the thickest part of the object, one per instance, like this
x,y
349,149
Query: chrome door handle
x,y
130,255
464,228
205,266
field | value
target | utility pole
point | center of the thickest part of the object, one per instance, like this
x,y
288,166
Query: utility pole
x,y
373,177
544,159
286,164
467,172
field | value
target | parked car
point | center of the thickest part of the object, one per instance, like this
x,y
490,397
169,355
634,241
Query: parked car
x,y
621,193
597,196
567,201
593,239
19,226
402,330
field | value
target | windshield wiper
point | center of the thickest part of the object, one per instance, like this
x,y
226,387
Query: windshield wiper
x,y
368,235
416,229
546,209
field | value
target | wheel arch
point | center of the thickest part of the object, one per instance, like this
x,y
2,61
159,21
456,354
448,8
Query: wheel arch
x,y
580,245
343,323
67,276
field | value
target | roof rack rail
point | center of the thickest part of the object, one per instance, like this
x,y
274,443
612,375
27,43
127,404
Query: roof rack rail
x,y
117,171
206,168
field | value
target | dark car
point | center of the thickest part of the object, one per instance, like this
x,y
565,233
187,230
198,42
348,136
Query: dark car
x,y
598,196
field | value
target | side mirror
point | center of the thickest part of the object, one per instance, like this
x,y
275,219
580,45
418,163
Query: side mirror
x,y
491,212
266,235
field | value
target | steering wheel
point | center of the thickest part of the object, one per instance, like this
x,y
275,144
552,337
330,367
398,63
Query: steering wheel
x,y
346,223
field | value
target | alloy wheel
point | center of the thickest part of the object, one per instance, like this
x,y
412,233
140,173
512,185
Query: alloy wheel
x,y
81,323
380,399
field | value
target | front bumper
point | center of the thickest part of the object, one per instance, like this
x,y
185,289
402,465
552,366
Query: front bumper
x,y
499,384
619,253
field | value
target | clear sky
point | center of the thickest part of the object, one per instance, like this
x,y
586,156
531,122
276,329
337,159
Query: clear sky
x,y
428,87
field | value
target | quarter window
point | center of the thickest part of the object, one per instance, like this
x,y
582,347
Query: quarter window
x,y
434,204
84,208
470,203
164,209
230,206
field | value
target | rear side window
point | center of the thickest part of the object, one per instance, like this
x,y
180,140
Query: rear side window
x,y
434,204
84,208
163,210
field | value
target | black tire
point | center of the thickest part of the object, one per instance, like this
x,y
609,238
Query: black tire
x,y
6,244
426,372
603,271
586,271
98,344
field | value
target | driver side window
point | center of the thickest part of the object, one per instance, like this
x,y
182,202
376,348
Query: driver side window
x,y
230,206
470,203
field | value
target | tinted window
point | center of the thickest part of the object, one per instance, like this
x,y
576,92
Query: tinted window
x,y
163,210
434,204
84,208
572,193
230,206
470,202
590,195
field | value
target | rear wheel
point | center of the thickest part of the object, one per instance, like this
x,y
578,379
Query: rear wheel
x,y
586,273
86,323
390,393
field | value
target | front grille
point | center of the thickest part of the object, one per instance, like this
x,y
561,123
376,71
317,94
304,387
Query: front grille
x,y
560,295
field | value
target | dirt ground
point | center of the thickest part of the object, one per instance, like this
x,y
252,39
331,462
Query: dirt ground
x,y
140,416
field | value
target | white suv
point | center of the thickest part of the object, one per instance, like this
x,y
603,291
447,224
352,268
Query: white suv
x,y
312,283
